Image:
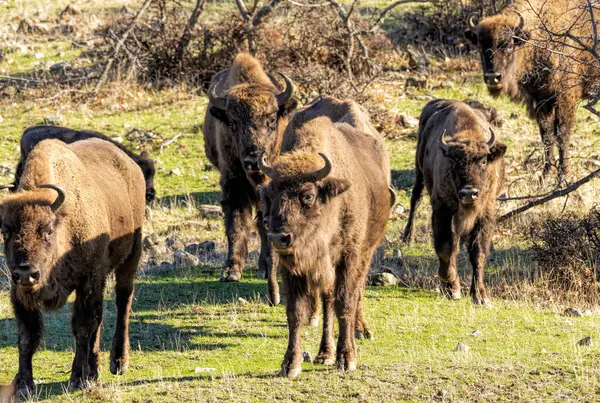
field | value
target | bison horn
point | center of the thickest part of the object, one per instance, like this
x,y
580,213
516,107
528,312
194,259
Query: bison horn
x,y
471,20
217,101
59,200
7,186
521,22
267,170
443,144
323,172
288,93
490,143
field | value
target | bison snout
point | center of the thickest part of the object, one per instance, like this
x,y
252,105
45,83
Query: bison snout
x,y
250,161
468,194
281,240
492,79
150,195
25,276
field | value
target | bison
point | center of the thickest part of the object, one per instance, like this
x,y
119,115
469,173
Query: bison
x,y
329,200
35,134
460,162
520,60
75,218
245,118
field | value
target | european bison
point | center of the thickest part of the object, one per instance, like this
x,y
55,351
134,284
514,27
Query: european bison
x,y
33,135
328,202
245,118
75,219
460,162
519,60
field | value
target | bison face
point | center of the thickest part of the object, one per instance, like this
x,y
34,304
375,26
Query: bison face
x,y
497,38
469,165
294,203
148,169
29,230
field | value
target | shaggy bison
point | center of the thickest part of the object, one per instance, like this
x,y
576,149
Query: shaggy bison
x,y
519,59
328,202
33,135
460,162
75,218
245,118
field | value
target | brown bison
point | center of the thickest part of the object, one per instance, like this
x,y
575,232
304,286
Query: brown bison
x,y
35,134
520,59
245,118
328,202
460,162
75,219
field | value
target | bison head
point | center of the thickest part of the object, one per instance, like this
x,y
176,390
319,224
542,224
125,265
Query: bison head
x,y
295,199
253,113
497,38
147,166
29,223
469,161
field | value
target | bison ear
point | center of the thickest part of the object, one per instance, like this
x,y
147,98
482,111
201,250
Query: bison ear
x,y
471,36
288,107
497,151
520,36
219,114
331,187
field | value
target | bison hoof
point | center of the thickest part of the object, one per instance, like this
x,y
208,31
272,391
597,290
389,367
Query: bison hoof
x,y
118,367
230,275
359,335
314,321
346,365
325,359
79,383
291,373
24,389
364,335
450,293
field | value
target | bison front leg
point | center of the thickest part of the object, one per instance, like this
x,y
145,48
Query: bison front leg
x,y
326,354
446,247
565,120
415,198
86,321
267,263
297,314
237,208
30,324
479,242
545,119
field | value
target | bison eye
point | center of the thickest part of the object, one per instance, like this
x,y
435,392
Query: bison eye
x,y
307,199
483,162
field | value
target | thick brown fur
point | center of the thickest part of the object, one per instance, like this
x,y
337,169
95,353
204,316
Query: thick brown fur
x,y
468,163
336,231
550,76
252,125
96,231
33,135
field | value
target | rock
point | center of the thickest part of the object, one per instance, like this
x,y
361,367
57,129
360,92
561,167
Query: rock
x,y
39,55
384,279
175,243
423,97
462,348
208,167
8,92
417,61
514,116
54,120
415,82
573,312
307,357
242,301
399,210
448,85
183,259
476,333
69,10
150,240
396,253
200,248
175,171
200,370
542,351
586,341
212,226
59,68
587,312
7,169
210,211
407,121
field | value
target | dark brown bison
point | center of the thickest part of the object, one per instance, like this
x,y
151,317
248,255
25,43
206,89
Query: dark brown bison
x,y
33,135
520,59
460,162
75,219
328,202
245,118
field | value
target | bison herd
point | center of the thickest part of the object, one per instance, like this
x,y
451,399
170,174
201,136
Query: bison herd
x,y
317,179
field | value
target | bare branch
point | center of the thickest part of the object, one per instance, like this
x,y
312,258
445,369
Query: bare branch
x,y
264,12
186,36
243,10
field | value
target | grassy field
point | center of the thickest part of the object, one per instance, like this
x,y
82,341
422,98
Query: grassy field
x,y
196,339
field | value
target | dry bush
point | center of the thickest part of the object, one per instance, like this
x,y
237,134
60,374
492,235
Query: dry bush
x,y
567,250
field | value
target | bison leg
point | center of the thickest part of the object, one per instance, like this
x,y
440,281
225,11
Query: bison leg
x,y
267,263
298,304
415,198
362,327
87,317
479,242
124,287
545,119
565,120
30,324
237,208
326,354
446,247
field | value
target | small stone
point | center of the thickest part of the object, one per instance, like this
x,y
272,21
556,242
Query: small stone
x,y
462,348
183,259
407,121
476,333
175,171
200,370
54,120
175,243
399,210
576,312
514,116
208,167
242,301
586,341
587,312
210,211
415,82
58,68
396,253
384,279
448,85
151,240
39,55
200,248
117,139
307,357
542,351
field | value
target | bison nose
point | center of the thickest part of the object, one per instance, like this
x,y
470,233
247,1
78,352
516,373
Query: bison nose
x,y
250,161
25,276
492,78
468,193
150,195
281,240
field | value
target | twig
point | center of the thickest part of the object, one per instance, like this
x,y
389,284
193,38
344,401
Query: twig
x,y
111,59
557,193
186,36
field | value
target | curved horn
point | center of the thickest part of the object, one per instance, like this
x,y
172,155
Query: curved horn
x,y
7,186
267,170
521,22
217,101
490,143
323,172
288,93
443,143
471,20
59,200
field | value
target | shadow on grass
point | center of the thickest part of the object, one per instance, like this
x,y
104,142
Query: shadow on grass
x,y
403,179
190,199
